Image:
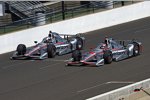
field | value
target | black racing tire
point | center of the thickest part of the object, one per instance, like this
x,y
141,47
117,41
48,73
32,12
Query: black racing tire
x,y
136,49
51,50
79,44
12,58
76,55
68,64
21,49
107,57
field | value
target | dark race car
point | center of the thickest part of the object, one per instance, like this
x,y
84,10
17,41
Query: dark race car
x,y
54,44
106,52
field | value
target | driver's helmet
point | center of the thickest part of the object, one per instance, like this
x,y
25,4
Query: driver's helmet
x,y
103,46
106,41
49,35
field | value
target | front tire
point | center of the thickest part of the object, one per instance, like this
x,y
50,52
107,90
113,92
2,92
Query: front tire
x,y
51,51
108,57
136,49
21,49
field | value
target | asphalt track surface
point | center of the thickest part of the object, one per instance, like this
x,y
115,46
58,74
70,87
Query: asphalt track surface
x,y
50,79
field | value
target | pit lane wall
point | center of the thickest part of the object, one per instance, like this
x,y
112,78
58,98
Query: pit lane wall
x,y
82,24
126,93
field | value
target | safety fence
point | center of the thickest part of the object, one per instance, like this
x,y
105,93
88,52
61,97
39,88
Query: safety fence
x,y
41,18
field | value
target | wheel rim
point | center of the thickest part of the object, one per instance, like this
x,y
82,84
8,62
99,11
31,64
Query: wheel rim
x,y
136,50
79,44
109,59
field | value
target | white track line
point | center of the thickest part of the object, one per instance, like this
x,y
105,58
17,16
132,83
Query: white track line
x,y
86,89
111,82
120,82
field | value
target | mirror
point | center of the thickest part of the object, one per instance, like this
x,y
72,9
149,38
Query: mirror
x,y
35,42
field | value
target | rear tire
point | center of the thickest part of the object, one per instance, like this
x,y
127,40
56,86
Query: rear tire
x,y
107,57
76,55
21,49
136,49
51,50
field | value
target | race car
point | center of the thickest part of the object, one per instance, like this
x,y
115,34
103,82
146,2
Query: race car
x,y
106,52
53,44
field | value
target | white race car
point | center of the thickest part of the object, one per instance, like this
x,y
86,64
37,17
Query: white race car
x,y
49,47
106,52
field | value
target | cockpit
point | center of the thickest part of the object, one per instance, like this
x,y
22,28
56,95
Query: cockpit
x,y
101,46
46,40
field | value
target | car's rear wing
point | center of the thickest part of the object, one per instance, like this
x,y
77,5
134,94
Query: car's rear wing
x,y
126,42
67,36
79,35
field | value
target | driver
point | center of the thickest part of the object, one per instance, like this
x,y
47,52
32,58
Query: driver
x,y
107,42
52,37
